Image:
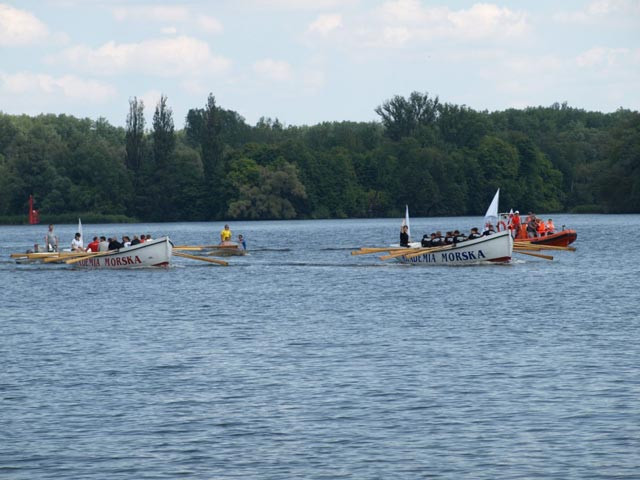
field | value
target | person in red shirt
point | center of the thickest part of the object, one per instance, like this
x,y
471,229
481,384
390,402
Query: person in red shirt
x,y
93,246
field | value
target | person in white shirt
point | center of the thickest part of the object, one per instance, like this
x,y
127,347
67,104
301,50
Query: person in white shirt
x,y
76,244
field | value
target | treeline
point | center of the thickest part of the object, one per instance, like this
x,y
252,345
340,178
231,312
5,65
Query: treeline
x,y
439,158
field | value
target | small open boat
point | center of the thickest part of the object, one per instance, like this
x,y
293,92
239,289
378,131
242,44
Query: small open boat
x,y
496,248
154,253
227,249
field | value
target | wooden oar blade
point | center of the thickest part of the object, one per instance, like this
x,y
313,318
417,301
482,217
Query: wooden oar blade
x,y
203,259
79,258
539,255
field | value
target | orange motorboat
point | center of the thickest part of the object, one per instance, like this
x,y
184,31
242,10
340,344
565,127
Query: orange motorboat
x,y
563,238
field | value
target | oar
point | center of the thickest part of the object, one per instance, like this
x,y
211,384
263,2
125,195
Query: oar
x,y
412,252
546,257
204,259
543,247
188,247
368,250
63,256
431,250
89,255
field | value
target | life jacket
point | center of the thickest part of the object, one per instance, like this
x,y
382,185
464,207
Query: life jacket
x,y
550,227
540,228
522,231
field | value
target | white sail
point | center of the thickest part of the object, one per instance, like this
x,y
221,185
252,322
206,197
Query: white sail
x,y
405,221
80,232
492,212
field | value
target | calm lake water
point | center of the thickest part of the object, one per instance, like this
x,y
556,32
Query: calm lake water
x,y
302,361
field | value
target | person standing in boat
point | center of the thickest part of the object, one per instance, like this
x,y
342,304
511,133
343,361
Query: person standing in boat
x,y
51,240
514,224
225,235
532,226
242,242
404,236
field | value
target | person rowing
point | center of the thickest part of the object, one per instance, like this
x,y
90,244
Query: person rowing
x,y
76,243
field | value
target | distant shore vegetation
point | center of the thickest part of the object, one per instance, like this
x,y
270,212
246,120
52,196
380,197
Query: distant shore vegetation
x,y
439,158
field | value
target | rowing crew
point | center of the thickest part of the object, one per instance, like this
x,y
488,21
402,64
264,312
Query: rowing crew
x,y
104,244
436,239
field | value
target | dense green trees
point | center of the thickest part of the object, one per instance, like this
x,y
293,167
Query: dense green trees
x,y
440,158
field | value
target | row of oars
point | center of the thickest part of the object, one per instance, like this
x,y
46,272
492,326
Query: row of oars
x,y
395,252
525,248
75,257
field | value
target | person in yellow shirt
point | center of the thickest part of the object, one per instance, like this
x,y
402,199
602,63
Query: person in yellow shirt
x,y
225,234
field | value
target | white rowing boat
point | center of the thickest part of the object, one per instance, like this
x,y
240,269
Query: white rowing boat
x,y
496,248
154,253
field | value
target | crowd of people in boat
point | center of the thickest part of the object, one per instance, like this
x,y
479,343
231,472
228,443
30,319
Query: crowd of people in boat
x,y
103,244
436,239
532,227
98,244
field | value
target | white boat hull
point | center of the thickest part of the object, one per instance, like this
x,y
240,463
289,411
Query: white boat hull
x,y
496,248
155,253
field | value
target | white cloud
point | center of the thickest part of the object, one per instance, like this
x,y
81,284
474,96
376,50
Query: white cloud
x,y
325,24
165,57
169,30
170,14
67,86
298,5
19,27
597,10
413,23
275,70
159,13
481,21
395,36
209,24
602,57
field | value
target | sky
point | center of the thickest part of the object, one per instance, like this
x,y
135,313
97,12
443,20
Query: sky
x,y
309,61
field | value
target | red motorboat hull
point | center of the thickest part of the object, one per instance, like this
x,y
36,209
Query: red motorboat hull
x,y
560,239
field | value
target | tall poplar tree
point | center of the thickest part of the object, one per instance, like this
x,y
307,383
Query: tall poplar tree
x,y
212,159
134,136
